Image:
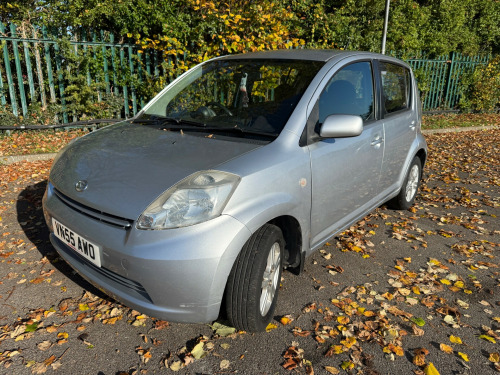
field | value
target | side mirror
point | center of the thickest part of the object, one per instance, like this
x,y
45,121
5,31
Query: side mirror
x,y
341,126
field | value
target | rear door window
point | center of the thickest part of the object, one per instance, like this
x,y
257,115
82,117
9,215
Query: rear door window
x,y
395,87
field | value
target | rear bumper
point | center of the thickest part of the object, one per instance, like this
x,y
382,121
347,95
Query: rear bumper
x,y
176,274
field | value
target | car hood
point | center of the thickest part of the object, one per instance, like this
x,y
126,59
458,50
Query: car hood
x,y
127,166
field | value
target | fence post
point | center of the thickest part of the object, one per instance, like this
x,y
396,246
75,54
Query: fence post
x,y
48,61
105,64
8,72
38,63
60,79
3,101
29,70
450,79
19,70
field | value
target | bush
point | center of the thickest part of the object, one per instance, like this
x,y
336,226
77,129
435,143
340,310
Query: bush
x,y
481,89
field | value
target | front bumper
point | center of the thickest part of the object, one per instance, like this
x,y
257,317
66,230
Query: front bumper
x,y
176,274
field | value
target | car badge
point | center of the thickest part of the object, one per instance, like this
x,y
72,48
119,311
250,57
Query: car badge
x,y
81,185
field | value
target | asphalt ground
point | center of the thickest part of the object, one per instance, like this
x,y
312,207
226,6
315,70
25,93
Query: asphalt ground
x,y
400,292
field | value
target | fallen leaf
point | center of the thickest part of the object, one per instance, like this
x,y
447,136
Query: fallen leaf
x,y
464,356
494,357
332,370
44,345
224,364
430,369
176,366
347,365
223,330
418,321
489,338
455,339
198,351
446,348
270,327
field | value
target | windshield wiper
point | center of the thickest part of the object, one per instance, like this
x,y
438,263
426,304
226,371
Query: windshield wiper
x,y
160,120
234,130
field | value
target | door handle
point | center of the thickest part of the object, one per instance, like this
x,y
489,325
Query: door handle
x,y
412,125
377,141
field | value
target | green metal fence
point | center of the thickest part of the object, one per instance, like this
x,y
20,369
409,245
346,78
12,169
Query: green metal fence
x,y
440,77
33,70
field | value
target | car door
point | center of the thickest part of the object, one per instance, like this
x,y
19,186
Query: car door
x,y
345,171
400,121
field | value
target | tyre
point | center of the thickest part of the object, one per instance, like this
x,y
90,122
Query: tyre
x,y
406,197
253,284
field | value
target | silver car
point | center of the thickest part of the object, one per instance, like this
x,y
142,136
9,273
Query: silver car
x,y
240,168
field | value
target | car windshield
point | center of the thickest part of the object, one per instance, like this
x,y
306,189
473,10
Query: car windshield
x,y
253,96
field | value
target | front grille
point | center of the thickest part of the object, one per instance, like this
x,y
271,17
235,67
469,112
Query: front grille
x,y
110,276
93,213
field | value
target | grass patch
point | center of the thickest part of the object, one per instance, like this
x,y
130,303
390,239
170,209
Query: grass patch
x,y
459,120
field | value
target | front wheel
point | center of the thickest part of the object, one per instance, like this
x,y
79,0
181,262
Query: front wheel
x,y
253,285
406,196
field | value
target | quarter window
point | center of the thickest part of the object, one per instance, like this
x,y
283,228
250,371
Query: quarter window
x,y
349,92
395,86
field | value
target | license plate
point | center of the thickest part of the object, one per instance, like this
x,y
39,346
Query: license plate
x,y
82,246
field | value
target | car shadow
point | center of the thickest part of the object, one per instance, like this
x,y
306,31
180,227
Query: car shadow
x,y
31,219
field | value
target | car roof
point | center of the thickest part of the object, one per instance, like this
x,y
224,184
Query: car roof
x,y
299,54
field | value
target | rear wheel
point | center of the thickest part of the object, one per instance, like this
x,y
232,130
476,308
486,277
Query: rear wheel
x,y
253,285
406,196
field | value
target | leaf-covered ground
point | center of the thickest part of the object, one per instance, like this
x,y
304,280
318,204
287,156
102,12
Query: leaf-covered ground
x,y
398,293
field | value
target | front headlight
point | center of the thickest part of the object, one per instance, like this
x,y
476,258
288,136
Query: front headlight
x,y
198,198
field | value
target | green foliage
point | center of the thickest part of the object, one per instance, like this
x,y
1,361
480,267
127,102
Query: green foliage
x,y
207,27
481,89
86,98
37,115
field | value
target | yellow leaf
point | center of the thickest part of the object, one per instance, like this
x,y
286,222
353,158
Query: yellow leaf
x,y
489,338
347,365
459,284
83,307
445,281
338,349
62,335
446,348
494,357
348,342
467,291
270,327
343,320
430,369
365,256
455,339
464,356
285,320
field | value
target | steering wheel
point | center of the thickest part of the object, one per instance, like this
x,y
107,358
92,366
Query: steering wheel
x,y
218,105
